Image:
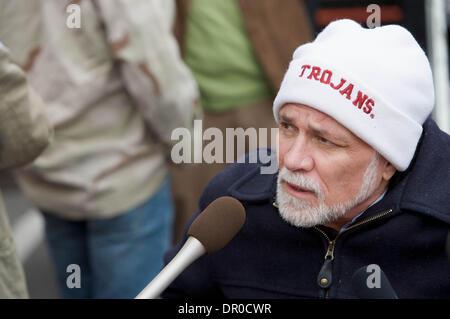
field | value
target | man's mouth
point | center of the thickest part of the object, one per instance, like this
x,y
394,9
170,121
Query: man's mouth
x,y
298,189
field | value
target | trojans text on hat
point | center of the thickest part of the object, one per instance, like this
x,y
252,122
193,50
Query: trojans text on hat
x,y
325,77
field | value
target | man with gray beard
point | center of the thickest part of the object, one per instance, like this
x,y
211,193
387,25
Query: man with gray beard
x,y
290,206
363,180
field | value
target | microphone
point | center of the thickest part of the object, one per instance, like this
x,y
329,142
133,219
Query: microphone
x,y
212,230
370,282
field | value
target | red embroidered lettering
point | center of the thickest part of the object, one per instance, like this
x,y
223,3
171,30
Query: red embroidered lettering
x,y
369,105
360,99
304,67
347,91
326,77
339,85
315,72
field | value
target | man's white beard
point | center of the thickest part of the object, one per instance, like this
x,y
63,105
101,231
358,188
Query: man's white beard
x,y
300,213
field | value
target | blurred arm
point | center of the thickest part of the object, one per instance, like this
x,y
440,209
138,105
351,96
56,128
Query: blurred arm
x,y
24,129
141,39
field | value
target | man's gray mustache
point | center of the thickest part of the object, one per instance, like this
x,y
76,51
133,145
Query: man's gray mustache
x,y
300,180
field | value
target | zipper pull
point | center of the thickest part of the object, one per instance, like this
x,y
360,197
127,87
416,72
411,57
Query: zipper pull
x,y
324,279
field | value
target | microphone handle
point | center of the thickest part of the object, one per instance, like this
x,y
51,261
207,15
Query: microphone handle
x,y
190,251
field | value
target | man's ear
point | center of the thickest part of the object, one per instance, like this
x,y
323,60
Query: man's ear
x,y
388,170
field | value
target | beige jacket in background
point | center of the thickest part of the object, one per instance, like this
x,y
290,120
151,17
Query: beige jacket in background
x,y
114,90
24,134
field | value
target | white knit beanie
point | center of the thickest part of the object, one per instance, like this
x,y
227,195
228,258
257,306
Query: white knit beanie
x,y
375,82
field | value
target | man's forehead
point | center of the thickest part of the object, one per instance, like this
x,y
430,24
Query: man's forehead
x,y
293,112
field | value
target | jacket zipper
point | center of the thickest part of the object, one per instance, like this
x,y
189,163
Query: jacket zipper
x,y
324,278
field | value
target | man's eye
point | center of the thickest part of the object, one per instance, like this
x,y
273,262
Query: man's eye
x,y
324,140
286,126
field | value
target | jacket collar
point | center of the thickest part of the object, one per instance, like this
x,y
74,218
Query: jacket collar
x,y
425,185
254,186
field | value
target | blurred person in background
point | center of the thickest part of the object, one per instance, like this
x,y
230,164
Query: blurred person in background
x,y
24,134
115,87
238,51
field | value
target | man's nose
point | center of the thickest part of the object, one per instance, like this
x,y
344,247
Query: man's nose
x,y
299,157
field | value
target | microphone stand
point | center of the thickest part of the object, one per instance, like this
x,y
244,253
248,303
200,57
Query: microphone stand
x,y
190,251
